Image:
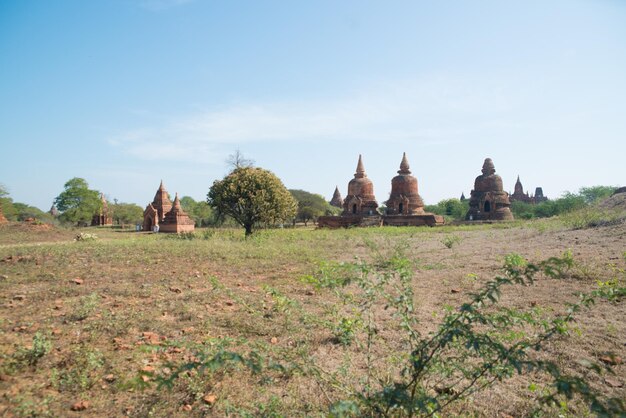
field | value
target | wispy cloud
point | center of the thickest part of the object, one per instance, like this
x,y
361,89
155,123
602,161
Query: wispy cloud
x,y
435,110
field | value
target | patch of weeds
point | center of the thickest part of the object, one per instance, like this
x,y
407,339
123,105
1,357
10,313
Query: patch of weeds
x,y
29,356
183,236
345,331
450,240
79,371
85,307
29,407
592,217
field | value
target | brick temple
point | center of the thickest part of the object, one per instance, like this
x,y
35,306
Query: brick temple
x,y
360,208
405,206
169,216
103,217
519,195
489,201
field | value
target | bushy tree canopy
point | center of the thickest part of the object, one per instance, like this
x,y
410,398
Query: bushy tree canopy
x,y
126,213
200,212
77,203
310,205
451,208
252,196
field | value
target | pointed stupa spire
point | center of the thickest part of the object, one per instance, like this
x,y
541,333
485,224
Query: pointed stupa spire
x,y
177,203
404,165
161,186
360,170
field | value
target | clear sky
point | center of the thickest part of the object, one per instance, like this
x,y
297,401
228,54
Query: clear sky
x,y
124,93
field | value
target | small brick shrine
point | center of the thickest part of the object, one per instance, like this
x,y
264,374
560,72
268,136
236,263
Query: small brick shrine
x,y
103,217
169,216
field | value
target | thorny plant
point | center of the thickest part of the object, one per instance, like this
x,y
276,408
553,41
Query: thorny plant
x,y
476,345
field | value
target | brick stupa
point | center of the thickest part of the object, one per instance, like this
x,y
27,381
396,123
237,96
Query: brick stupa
x,y
405,206
489,201
169,217
360,207
360,199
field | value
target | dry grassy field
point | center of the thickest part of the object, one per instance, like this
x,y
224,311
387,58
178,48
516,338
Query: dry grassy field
x,y
97,327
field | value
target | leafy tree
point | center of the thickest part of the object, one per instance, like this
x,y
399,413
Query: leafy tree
x,y
252,196
310,206
23,211
77,203
200,212
6,203
596,193
126,213
451,208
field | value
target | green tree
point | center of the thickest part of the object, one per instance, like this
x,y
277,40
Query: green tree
x,y
200,212
126,213
451,208
252,196
6,203
23,211
77,203
310,206
596,193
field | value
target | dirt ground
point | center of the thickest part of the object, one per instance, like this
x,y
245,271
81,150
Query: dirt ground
x,y
86,327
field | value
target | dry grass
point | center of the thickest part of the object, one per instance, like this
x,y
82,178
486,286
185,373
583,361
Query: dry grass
x,y
143,301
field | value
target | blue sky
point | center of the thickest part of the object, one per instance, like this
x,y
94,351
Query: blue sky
x,y
125,93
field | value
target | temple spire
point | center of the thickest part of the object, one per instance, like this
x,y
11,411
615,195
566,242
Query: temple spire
x,y
360,170
177,202
404,165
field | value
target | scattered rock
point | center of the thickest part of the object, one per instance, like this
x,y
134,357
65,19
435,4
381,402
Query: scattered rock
x,y
614,383
109,378
145,378
151,337
455,290
210,399
187,408
533,303
78,281
80,406
309,293
19,297
175,289
4,277
611,359
274,340
229,303
147,369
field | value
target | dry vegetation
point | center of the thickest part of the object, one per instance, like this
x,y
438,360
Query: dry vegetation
x,y
94,325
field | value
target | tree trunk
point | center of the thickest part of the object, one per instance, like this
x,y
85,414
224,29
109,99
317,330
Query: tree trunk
x,y
248,229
